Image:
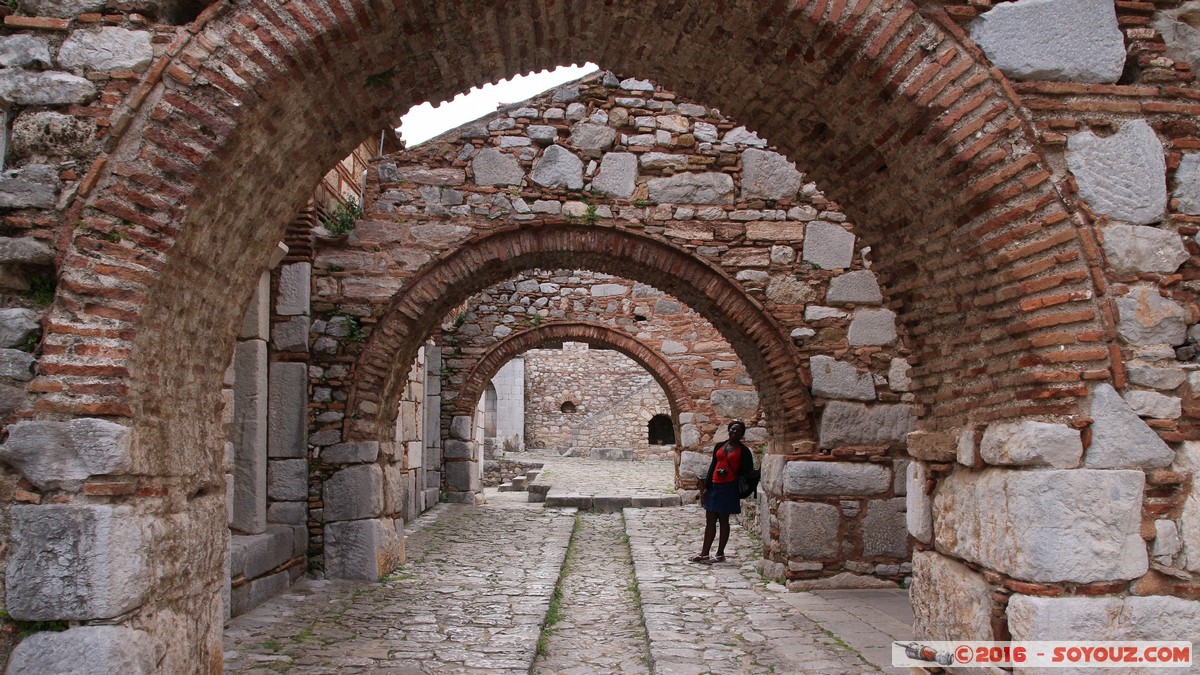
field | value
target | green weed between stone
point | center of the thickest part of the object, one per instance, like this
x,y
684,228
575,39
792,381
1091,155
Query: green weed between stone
x,y
554,612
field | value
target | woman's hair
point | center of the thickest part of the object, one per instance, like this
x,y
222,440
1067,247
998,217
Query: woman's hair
x,y
739,423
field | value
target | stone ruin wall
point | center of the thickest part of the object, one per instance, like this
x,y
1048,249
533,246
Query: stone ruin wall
x,y
77,70
613,398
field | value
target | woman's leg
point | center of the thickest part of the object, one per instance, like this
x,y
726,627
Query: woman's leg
x,y
724,518
710,531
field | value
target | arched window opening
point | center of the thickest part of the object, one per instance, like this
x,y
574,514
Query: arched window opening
x,y
567,407
661,430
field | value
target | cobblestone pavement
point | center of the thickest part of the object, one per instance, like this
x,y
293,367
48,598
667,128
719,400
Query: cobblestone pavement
x,y
597,476
478,583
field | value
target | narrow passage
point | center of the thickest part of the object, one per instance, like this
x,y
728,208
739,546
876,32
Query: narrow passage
x,y
599,625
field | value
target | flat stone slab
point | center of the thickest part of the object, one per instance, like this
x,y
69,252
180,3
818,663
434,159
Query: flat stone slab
x,y
1122,176
1064,40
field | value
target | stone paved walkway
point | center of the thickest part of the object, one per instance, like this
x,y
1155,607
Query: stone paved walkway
x,y
478,583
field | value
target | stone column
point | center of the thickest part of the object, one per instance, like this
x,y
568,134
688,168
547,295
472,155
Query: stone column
x,y
463,483
431,467
249,426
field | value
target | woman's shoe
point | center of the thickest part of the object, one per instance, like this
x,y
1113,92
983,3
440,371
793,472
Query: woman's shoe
x,y
700,559
717,559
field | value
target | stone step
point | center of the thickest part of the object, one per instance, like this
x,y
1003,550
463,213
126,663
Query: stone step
x,y
532,474
519,483
506,487
538,492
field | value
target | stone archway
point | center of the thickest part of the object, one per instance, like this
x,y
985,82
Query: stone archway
x,y
888,106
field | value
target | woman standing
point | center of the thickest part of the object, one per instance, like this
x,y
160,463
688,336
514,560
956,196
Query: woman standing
x,y
719,490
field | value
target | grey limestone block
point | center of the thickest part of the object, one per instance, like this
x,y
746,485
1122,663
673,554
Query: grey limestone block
x,y
809,530
25,251
587,136
1121,439
1122,176
16,364
1138,248
462,476
1063,40
1157,617
295,289
351,453
859,288
61,9
25,51
353,493
256,323
76,562
692,188
1165,379
872,327
834,379
827,245
1045,526
950,600
845,423
1182,37
63,454
25,88
287,479
743,136
362,549
918,516
253,555
786,289
49,134
33,186
1154,404
287,415
1145,317
85,650
558,168
884,529
17,324
1187,182
1031,443
768,175
106,48
815,478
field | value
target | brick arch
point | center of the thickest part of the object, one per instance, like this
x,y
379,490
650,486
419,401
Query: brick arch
x,y
760,343
594,334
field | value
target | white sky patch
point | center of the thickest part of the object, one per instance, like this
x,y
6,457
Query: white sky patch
x,y
423,122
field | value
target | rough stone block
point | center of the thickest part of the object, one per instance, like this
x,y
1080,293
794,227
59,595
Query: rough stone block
x,y
787,290
25,251
809,530
295,289
1154,404
256,322
932,446
1121,439
884,529
827,246
845,423
362,549
768,175
1062,40
1032,444
26,88
248,596
950,601
455,449
88,650
918,514
836,478
1074,525
1147,318
591,137
1158,617
1131,249
291,335
353,493
63,454
16,325
559,168
460,427
107,48
1122,176
397,491
1189,519
16,364
287,513
692,188
62,9
872,327
735,404
1165,379
1166,539
287,480
618,175
249,434
1187,176
351,453
493,167
743,136
23,51
287,417
834,379
76,562
463,477
251,556
859,288
693,465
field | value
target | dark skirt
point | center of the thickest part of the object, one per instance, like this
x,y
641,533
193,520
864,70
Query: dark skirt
x,y
723,498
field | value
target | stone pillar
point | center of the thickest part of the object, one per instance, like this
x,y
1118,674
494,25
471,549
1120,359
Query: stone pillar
x,y
431,467
463,481
249,426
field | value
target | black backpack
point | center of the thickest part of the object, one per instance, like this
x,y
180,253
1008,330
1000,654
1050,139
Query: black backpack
x,y
748,480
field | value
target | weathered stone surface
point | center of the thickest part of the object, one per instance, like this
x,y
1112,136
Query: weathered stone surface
x,y
287,417
608,290
663,160
492,167
462,477
743,136
22,51
693,465
397,487
22,87
1120,439
692,188
47,134
810,530
858,288
587,136
295,289
735,404
25,251
1138,248
1147,318
1189,519
1158,617
899,375
61,9
1187,181
291,335
1122,176
857,424
351,453
1154,404
834,379
426,176
777,231
287,479
1165,379
107,48
353,493
85,650
1031,443
253,555
256,322
76,562
249,435
932,446
62,454
836,478
843,580
871,327
34,186
16,364
288,513
542,134
918,514
1044,526
950,601
1166,538
456,449
362,549
618,175
884,531
787,290
768,175
828,246
1179,32
558,168
1064,40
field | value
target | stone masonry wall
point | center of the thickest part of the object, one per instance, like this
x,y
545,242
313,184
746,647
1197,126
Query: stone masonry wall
x,y
601,386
